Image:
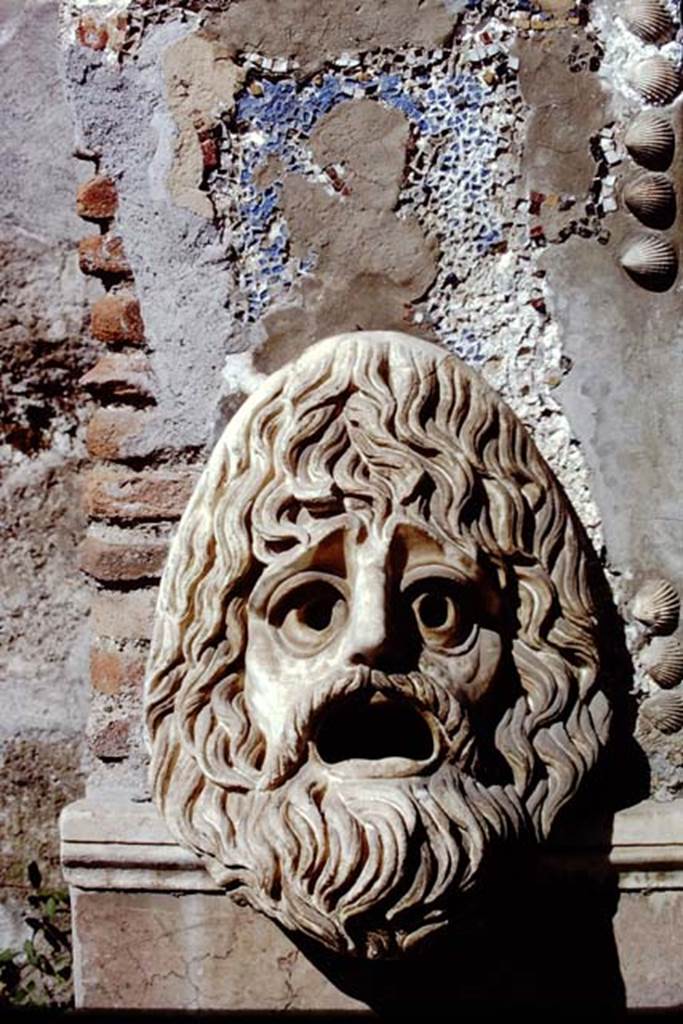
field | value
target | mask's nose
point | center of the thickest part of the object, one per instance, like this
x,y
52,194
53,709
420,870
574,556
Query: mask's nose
x,y
368,634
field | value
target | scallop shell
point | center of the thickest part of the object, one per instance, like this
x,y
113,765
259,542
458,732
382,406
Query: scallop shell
x,y
651,262
648,19
664,661
651,141
657,80
658,605
664,710
651,198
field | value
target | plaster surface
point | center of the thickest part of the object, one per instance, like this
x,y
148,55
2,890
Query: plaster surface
x,y
625,387
310,36
44,348
124,116
193,952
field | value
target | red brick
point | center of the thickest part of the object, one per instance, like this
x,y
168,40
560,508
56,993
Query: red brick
x,y
92,34
127,616
120,434
112,670
112,742
116,319
96,199
121,376
103,256
123,560
209,154
154,494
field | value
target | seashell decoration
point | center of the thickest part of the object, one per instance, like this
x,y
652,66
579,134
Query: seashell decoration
x,y
657,80
664,711
657,605
664,661
651,141
651,199
651,261
648,19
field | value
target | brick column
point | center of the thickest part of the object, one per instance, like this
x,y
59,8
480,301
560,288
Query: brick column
x,y
133,493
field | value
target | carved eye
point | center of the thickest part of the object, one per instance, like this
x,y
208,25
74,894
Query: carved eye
x,y
308,610
439,614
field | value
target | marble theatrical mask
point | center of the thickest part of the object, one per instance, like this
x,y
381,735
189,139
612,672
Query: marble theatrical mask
x,y
375,660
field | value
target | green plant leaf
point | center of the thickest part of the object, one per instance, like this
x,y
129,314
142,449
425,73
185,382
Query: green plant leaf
x,y
45,966
39,973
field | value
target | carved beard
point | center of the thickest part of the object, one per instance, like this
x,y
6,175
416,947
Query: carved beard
x,y
367,865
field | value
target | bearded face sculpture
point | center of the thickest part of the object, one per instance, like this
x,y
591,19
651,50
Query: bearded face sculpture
x,y
375,661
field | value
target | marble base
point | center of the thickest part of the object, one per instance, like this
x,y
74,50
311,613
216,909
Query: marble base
x,y
151,931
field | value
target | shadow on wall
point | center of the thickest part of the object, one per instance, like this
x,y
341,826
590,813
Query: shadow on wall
x,y
531,944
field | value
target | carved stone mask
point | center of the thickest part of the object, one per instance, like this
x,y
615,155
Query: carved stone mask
x,y
375,660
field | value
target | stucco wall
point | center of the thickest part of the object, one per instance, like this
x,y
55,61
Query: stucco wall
x,y
45,349
457,171
453,170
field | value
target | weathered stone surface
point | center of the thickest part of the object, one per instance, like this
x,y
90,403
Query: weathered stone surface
x,y
96,199
157,951
370,142
201,82
618,337
40,775
371,264
37,127
155,494
44,347
566,110
120,376
121,559
116,319
124,616
103,256
647,931
120,434
112,669
310,34
111,743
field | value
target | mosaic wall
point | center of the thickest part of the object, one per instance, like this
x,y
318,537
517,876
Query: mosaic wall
x,y
481,174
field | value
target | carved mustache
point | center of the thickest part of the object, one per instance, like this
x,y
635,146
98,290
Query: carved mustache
x,y
426,694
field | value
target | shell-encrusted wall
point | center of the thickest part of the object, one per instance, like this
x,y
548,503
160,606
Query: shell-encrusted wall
x,y
653,77
656,608
502,179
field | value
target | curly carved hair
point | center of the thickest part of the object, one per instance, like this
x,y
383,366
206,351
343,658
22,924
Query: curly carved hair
x,y
394,422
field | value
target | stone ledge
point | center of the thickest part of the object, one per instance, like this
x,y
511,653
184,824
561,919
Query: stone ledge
x,y
126,846
645,847
133,887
